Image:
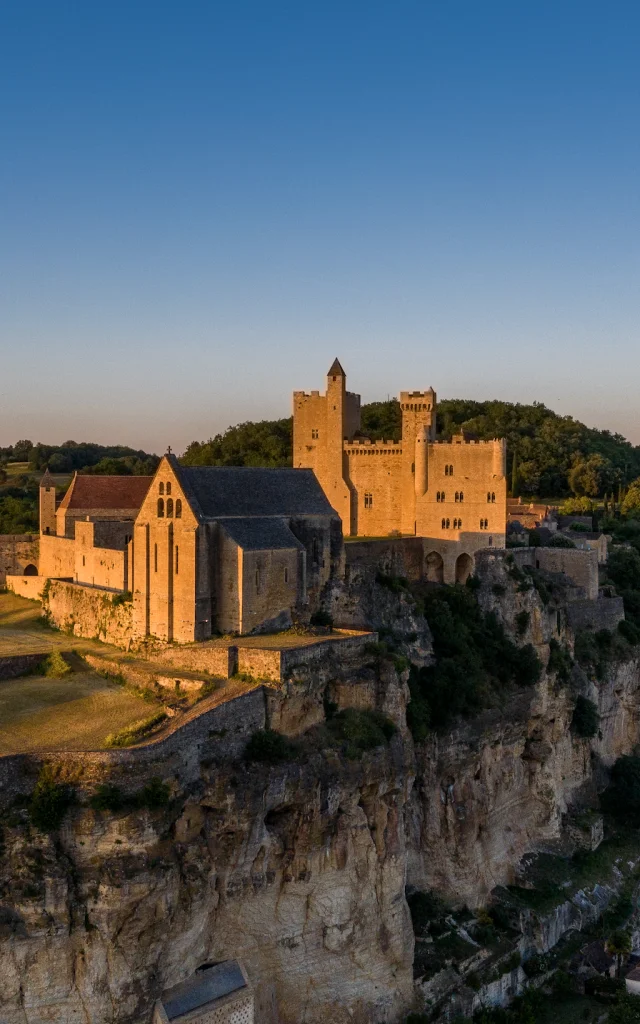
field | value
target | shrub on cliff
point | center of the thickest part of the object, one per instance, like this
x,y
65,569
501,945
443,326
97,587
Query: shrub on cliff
x,y
270,746
477,664
50,801
586,720
622,796
356,731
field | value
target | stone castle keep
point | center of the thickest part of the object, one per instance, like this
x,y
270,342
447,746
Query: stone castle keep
x,y
452,493
205,550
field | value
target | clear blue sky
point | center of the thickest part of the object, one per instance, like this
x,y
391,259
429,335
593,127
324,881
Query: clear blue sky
x,y
202,203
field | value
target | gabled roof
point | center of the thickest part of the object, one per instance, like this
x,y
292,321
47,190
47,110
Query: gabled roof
x,y
204,987
336,370
112,492
257,533
217,491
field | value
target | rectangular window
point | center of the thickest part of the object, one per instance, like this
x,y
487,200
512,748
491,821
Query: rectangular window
x,y
83,561
177,560
368,500
314,435
155,557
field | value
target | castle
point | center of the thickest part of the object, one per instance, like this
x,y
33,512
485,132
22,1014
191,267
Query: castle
x,y
452,493
205,550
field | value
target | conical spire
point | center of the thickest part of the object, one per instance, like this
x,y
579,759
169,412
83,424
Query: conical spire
x,y
46,480
336,370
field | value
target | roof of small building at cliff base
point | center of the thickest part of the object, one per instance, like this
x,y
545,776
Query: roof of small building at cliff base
x,y
246,491
113,492
204,987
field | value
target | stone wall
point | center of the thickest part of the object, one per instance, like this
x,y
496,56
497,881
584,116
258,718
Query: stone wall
x,y
57,557
213,731
403,556
580,566
604,613
30,587
17,551
89,611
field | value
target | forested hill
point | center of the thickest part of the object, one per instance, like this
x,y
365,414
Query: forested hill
x,y
554,455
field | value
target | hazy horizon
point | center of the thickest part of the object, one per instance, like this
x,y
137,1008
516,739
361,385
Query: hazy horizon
x,y
202,204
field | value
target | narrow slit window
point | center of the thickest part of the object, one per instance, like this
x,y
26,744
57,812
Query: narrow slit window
x,y
160,508
178,508
155,557
169,507
168,488
161,489
177,561
286,575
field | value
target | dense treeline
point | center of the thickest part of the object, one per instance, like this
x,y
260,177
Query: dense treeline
x,y
547,455
83,456
265,443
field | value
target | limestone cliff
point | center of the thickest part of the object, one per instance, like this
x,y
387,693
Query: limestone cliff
x,y
301,867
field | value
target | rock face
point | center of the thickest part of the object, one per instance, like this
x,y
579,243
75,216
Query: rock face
x,y
300,868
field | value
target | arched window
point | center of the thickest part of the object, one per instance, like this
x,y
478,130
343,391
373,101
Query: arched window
x,y
450,470
442,496
161,489
455,524
169,507
446,471
168,488
461,495
457,496
160,507
459,524
437,495
488,495
493,497
178,508
448,524
444,524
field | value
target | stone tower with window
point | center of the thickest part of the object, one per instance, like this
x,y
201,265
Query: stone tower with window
x,y
451,493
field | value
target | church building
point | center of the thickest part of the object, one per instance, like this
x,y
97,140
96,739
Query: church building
x,y
202,550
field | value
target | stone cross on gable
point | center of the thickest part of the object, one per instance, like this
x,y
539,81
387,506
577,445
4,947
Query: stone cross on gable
x,y
168,449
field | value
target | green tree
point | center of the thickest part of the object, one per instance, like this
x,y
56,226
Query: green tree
x,y
631,503
590,476
619,946
625,1011
267,443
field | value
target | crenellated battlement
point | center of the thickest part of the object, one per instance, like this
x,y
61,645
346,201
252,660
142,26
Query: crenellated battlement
x,y
416,485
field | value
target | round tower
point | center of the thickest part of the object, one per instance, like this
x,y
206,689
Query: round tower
x,y
420,461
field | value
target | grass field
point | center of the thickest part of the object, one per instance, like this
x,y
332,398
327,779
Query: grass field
x,y
14,469
24,631
74,713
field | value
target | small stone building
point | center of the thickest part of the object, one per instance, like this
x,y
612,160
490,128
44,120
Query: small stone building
x,y
220,994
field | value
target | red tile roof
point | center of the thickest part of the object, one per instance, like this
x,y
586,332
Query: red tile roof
x,y
95,492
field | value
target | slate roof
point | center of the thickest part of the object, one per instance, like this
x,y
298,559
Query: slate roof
x,y
46,480
258,533
204,987
96,492
336,370
247,491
